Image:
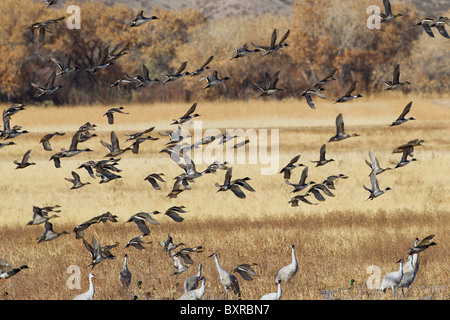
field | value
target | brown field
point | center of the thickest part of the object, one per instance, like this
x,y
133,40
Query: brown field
x,y
336,240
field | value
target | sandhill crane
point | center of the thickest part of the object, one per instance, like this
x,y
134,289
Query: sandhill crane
x,y
88,295
191,283
195,294
392,280
273,295
409,274
287,272
229,281
125,274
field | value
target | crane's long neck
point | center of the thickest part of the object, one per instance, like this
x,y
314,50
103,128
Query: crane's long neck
x,y
279,291
415,262
401,269
199,270
125,263
294,259
91,287
202,287
219,268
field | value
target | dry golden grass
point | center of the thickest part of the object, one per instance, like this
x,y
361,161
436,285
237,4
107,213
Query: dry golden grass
x,y
335,240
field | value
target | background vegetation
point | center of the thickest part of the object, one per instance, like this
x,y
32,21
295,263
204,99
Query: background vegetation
x,y
323,37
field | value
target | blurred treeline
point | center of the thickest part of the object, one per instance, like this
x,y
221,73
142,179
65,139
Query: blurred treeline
x,y
324,35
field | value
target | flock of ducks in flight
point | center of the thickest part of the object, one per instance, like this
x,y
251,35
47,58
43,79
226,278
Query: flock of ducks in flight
x,y
107,169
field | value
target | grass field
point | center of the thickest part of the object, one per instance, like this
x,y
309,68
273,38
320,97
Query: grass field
x,y
336,240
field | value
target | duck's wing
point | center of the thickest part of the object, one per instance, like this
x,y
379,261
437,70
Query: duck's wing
x,y
57,62
51,80
442,31
75,140
76,177
374,182
428,30
190,111
339,124
237,191
114,141
104,56
387,7
323,150
257,86
374,165
273,39
274,80
405,110
181,68
303,176
26,156
145,72
351,88
285,36
310,101
141,225
396,78
228,176
207,62
425,241
329,77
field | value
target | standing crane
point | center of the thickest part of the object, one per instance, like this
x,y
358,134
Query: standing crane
x,y
191,283
195,294
88,295
125,274
229,281
287,272
392,280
